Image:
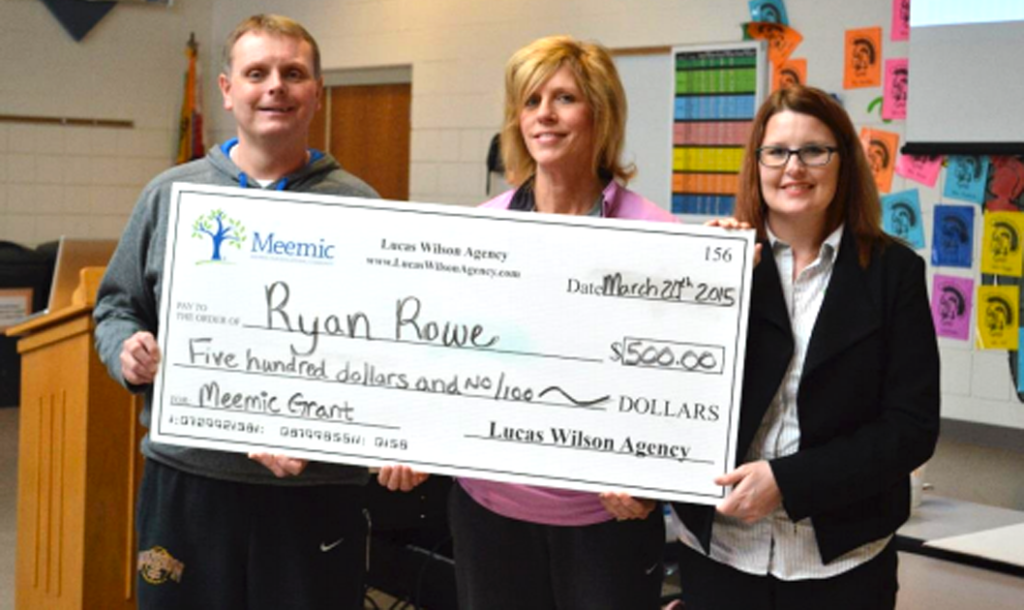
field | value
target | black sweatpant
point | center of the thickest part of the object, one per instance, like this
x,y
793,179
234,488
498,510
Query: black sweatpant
x,y
710,585
219,545
507,564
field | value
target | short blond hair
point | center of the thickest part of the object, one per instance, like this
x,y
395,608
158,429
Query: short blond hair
x,y
277,25
598,79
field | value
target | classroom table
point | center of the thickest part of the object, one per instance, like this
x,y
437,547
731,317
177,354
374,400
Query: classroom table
x,y
986,537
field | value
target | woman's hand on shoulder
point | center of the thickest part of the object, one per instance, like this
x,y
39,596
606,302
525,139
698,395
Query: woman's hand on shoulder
x,y
400,478
623,506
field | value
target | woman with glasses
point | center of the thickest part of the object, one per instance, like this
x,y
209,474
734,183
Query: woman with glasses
x,y
841,389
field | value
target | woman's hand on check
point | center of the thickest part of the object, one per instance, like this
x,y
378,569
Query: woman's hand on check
x,y
401,478
281,465
623,506
733,224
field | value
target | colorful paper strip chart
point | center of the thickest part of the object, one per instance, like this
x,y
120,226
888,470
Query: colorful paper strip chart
x,y
715,101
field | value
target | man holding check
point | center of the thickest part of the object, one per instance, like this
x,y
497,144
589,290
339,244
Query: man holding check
x,y
223,530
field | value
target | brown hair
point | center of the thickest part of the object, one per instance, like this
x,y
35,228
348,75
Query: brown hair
x,y
592,65
856,200
277,25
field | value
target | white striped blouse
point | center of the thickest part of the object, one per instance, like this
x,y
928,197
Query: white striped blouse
x,y
776,545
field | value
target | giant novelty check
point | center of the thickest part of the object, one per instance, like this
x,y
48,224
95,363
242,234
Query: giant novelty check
x,y
591,354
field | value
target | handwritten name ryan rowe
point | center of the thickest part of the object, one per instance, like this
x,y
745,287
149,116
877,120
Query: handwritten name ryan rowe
x,y
578,439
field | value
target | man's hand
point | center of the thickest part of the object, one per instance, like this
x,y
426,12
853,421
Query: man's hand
x,y
281,465
140,356
623,506
754,496
400,478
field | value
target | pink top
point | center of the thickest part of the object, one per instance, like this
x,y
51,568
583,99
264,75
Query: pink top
x,y
544,504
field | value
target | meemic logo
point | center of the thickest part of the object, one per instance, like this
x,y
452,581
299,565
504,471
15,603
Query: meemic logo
x,y
271,246
222,231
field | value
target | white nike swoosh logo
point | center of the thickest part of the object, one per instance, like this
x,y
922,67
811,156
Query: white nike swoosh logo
x,y
651,569
326,547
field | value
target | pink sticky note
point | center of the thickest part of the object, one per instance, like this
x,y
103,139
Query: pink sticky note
x,y
951,306
900,20
894,104
920,169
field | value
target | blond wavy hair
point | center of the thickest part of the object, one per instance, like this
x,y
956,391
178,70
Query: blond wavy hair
x,y
598,79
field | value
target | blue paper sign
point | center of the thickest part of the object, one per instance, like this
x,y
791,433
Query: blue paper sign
x,y
953,236
901,217
965,178
768,11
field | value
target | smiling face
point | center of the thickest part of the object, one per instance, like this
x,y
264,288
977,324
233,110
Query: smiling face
x,y
557,125
272,90
796,193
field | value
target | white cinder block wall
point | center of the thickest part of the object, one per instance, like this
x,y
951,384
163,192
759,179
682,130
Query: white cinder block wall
x,y
83,181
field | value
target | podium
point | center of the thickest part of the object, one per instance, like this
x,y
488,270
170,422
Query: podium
x,y
79,466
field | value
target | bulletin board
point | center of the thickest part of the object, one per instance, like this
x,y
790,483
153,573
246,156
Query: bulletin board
x,y
946,225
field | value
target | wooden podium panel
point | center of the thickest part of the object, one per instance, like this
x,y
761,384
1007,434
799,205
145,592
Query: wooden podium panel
x,y
78,470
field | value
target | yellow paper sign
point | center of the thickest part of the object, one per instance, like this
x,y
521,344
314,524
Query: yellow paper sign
x,y
997,317
1001,244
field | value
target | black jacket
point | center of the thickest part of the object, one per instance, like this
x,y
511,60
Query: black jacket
x,y
868,401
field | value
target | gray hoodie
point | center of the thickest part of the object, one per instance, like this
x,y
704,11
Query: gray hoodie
x,y
129,299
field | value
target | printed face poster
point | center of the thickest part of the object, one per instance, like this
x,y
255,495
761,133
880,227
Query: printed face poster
x,y
881,148
900,29
997,317
951,306
953,236
782,40
793,72
1001,244
894,102
768,11
920,169
901,217
1006,187
965,178
863,58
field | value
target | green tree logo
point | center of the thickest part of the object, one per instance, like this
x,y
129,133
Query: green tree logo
x,y
222,231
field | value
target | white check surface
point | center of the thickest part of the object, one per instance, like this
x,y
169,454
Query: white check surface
x,y
591,354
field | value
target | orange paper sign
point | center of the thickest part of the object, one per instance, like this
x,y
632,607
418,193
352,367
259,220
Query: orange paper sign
x,y
782,40
881,148
792,72
863,58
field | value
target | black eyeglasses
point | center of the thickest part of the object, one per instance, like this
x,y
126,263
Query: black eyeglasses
x,y
811,156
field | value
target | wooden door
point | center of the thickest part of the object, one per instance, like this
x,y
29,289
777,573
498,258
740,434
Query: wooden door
x,y
367,130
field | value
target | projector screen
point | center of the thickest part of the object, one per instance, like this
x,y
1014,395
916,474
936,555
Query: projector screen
x,y
966,77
